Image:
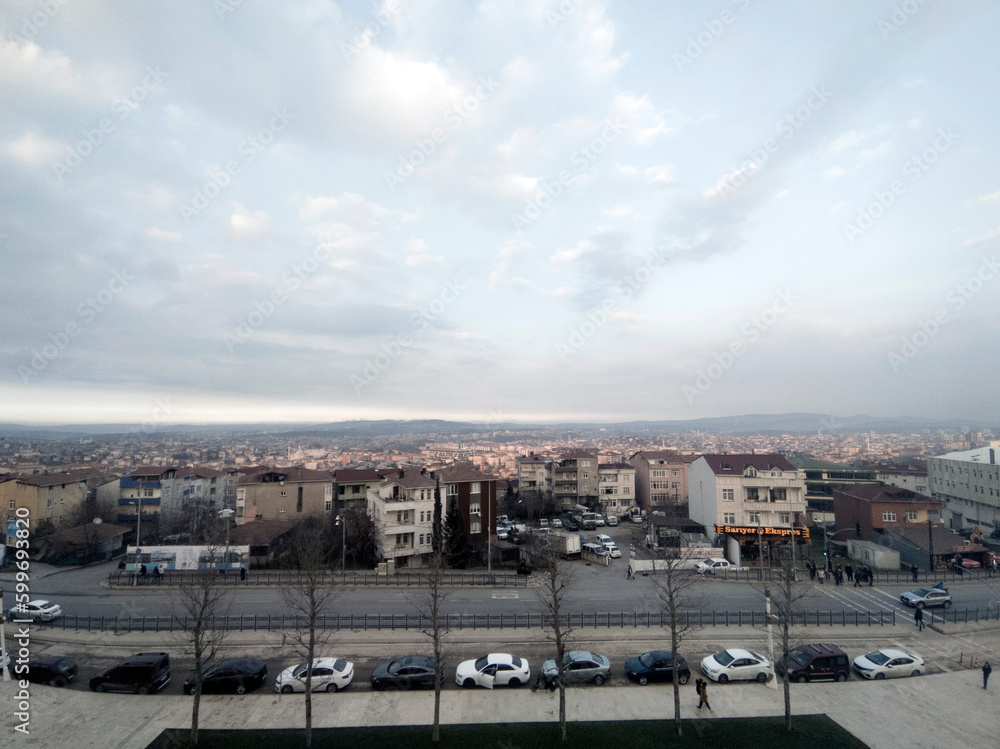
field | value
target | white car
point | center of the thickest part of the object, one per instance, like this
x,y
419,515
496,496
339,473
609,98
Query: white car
x,y
614,551
612,520
557,522
602,538
711,566
543,522
495,669
736,664
328,675
888,664
37,611
599,521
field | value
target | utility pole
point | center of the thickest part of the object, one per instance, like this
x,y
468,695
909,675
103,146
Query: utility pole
x,y
930,546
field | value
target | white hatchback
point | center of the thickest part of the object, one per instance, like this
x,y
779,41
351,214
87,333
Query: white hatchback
x,y
736,664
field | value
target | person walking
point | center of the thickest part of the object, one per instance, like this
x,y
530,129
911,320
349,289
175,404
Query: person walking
x,y
913,569
859,576
812,570
702,687
918,617
628,575
870,574
987,670
156,574
850,572
821,574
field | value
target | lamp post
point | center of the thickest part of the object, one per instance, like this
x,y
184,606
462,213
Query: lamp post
x,y
138,526
342,522
225,515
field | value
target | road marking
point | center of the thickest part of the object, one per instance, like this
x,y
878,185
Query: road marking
x,y
505,595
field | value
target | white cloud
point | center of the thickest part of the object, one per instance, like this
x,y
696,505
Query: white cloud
x,y
987,237
991,199
417,253
563,257
34,149
348,208
502,273
249,226
163,236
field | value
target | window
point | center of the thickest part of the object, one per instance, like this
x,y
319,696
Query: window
x,y
284,493
911,516
753,494
784,518
729,518
298,502
452,490
11,505
474,526
328,504
474,505
657,474
888,516
421,539
779,495
474,487
727,494
751,472
625,490
676,472
754,517
675,485
49,503
585,463
586,475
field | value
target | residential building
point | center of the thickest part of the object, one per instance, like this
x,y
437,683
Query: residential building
x,y
866,511
533,474
477,494
745,501
351,487
912,476
616,484
139,493
288,494
55,497
968,482
402,508
574,479
661,478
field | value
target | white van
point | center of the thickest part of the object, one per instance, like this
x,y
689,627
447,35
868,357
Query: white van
x,y
604,540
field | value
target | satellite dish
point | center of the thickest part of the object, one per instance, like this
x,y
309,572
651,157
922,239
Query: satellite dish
x,y
97,521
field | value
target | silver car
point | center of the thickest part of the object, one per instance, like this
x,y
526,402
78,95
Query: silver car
x,y
926,597
579,667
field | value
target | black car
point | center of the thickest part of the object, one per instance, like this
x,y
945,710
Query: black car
x,y
570,525
407,672
657,665
233,675
53,670
142,673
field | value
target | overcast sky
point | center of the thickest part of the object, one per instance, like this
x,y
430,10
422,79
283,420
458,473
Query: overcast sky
x,y
498,210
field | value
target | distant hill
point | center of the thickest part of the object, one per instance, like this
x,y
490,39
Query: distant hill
x,y
792,423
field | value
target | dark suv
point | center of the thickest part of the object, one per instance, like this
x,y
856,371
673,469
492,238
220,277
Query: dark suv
x,y
54,670
815,662
239,675
142,673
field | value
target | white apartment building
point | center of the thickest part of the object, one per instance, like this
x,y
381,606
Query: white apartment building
x,y
968,482
403,510
616,488
745,501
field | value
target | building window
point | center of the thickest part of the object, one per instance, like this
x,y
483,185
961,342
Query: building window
x,y
911,516
784,518
625,490
729,518
727,494
474,506
284,493
452,490
328,504
778,495
754,517
753,494
298,502
474,487
676,472
657,474
11,505
474,526
49,503
888,516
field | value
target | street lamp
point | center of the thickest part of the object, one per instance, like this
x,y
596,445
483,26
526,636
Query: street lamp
x,y
342,522
225,515
138,526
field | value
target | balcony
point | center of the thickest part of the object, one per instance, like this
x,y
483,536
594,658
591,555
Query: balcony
x,y
144,501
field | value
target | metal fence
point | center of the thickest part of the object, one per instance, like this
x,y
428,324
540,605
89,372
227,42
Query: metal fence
x,y
284,578
884,577
539,621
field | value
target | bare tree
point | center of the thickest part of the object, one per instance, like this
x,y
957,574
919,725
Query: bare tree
x,y
200,602
675,585
308,595
557,583
437,627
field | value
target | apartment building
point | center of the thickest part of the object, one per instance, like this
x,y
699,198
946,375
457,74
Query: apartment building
x,y
351,486
968,483
661,478
533,474
402,507
574,479
746,501
905,476
476,494
287,494
616,484
57,497
865,511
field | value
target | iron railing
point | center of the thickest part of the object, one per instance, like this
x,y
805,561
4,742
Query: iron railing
x,y
285,578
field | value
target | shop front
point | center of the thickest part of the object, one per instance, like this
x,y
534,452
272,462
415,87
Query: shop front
x,y
747,545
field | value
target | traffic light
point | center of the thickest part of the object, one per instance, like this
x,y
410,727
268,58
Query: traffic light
x,y
857,529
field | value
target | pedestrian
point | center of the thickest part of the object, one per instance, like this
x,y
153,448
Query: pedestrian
x,y
913,569
987,670
156,574
859,576
628,575
821,574
870,575
850,572
702,687
812,570
838,575
918,617
829,565
243,574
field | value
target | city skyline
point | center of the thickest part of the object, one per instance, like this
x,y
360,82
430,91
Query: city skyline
x,y
497,212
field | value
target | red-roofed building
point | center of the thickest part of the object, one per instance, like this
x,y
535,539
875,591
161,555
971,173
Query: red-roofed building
x,y
864,510
661,478
288,494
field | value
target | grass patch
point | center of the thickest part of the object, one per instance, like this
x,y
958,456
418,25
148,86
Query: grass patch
x,y
808,732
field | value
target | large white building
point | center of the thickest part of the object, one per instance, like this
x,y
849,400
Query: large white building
x,y
747,500
402,508
968,482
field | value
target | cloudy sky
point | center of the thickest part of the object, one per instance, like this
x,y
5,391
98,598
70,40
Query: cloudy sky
x,y
497,210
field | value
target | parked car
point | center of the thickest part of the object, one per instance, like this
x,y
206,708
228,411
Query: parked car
x,y
557,523
142,673
657,665
579,667
495,669
815,662
503,532
543,522
612,520
407,672
597,549
239,675
599,520
736,664
605,539
711,566
328,675
636,518
888,664
926,597
570,525
614,552
37,611
54,670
